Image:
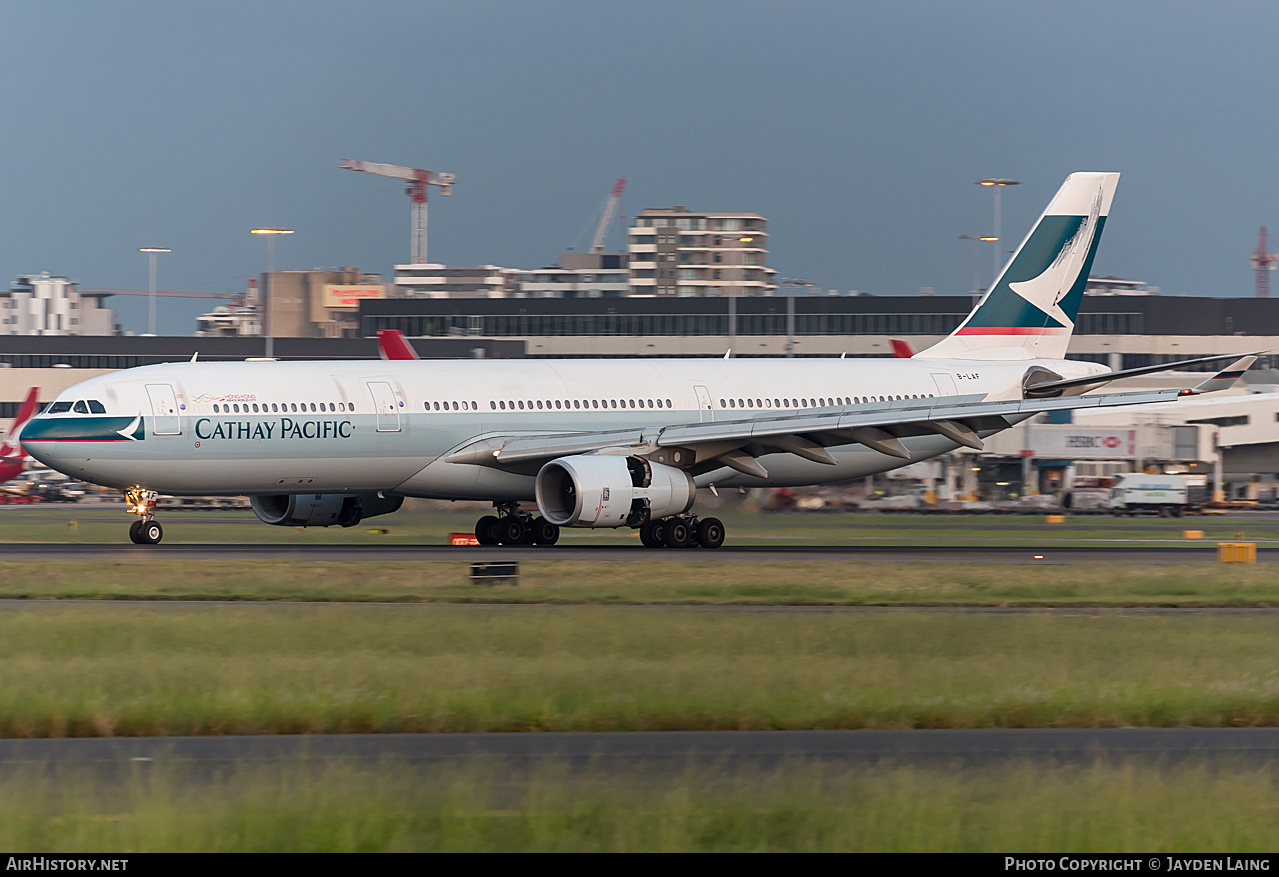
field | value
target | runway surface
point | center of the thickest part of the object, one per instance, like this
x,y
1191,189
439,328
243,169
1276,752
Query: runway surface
x,y
1170,554
665,752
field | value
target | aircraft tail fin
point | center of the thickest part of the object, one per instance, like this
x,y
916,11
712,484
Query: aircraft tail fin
x,y
10,448
392,344
1031,309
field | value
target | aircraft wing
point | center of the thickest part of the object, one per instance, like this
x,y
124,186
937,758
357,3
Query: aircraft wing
x,y
1228,375
880,426
736,443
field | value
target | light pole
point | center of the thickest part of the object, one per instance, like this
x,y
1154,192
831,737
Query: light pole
x,y
152,252
792,283
267,328
977,239
997,183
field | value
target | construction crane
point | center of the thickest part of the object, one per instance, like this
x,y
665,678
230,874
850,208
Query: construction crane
x,y
1263,263
416,181
610,210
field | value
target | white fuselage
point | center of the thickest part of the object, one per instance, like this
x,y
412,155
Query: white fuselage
x,y
349,427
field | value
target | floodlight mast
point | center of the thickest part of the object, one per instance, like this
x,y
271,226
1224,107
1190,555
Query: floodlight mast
x,y
416,182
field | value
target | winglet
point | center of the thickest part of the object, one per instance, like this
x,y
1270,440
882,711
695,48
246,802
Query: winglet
x,y
1225,378
391,344
901,349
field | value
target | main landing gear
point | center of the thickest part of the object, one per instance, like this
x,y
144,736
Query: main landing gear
x,y
683,531
146,530
512,527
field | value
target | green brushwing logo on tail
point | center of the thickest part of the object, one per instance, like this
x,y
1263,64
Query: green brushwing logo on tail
x,y
1041,290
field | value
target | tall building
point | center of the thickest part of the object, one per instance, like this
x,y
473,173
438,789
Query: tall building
x,y
317,303
41,304
675,252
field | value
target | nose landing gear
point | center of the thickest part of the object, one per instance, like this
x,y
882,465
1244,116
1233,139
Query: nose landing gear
x,y
146,530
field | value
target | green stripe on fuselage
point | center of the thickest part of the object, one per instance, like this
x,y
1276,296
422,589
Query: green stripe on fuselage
x,y
85,429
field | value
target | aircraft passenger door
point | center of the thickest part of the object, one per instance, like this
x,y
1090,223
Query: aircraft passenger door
x,y
164,410
945,384
386,406
705,412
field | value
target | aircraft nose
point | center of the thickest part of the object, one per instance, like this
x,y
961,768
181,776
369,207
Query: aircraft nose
x,y
50,439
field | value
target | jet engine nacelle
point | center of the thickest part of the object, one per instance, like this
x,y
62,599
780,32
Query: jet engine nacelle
x,y
600,490
322,509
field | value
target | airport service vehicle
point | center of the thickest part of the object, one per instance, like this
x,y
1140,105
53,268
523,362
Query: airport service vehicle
x,y
1138,493
595,443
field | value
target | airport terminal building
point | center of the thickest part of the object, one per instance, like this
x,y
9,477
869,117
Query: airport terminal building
x,y
1118,330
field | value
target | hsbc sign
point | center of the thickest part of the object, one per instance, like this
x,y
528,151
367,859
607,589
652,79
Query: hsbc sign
x,y
1074,442
1093,441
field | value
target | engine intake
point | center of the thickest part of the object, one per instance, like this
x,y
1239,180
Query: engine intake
x,y
322,509
598,490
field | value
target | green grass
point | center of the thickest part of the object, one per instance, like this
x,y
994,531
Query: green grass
x,y
477,807
96,523
659,580
71,670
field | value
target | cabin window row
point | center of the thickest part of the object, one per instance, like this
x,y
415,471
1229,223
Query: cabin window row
x,y
577,404
818,402
281,408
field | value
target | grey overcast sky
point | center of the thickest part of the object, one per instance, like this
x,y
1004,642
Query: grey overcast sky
x,y
857,128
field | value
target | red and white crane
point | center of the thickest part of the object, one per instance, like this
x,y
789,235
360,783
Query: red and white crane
x,y
416,181
610,209
1261,263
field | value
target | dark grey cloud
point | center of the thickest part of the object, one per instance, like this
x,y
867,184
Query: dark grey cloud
x,y
857,128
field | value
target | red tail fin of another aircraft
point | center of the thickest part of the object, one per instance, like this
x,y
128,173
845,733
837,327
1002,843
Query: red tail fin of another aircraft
x,y
12,456
392,344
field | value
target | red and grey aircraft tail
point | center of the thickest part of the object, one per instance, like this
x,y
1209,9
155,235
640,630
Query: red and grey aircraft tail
x,y
12,455
1031,309
392,344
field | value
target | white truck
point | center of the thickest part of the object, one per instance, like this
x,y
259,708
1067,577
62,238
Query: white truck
x,y
1168,495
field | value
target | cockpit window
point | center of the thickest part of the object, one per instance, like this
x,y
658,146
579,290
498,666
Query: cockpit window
x,y
96,407
59,408
81,408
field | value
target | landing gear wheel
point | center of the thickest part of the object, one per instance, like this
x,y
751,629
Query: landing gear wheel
x,y
530,531
710,533
510,531
135,532
544,532
677,533
150,533
486,530
651,534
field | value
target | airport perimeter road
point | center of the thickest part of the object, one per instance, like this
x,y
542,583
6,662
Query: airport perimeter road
x,y
664,752
1169,553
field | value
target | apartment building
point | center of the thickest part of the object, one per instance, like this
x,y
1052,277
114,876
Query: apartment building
x,y
676,252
